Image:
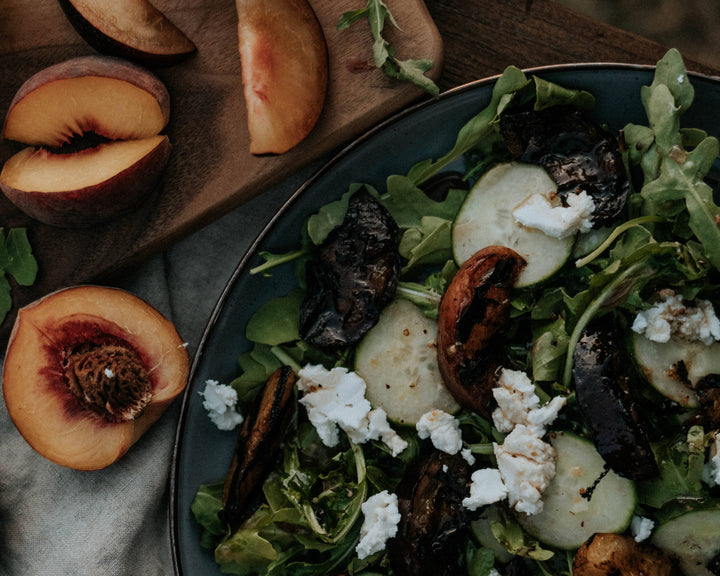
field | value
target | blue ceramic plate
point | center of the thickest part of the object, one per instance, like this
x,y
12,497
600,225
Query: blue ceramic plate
x,y
202,453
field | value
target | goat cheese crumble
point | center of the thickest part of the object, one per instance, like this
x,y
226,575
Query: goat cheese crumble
x,y
548,215
671,317
487,487
336,399
220,401
711,470
518,404
380,524
442,428
526,463
641,528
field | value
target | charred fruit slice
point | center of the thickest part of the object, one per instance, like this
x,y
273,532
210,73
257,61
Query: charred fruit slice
x,y
473,311
258,444
352,276
88,369
604,554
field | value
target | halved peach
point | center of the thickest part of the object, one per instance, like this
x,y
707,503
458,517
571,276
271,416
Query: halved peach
x,y
90,94
87,187
96,123
133,29
88,369
284,62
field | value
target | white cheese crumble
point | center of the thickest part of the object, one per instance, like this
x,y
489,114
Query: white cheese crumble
x,y
220,401
527,465
641,528
486,487
518,404
467,455
380,524
547,214
711,470
336,398
109,373
442,428
670,317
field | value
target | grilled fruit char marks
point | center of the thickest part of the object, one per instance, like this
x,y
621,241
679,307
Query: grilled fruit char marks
x,y
352,276
258,444
577,153
432,529
474,309
607,404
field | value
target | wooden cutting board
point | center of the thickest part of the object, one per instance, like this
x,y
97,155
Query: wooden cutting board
x,y
211,170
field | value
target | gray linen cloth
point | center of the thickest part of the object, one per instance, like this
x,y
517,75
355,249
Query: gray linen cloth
x,y
114,522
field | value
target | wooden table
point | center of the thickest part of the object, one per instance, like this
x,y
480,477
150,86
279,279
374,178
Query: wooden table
x,y
479,38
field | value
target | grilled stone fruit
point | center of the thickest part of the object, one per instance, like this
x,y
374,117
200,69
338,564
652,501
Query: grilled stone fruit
x,y
607,405
577,153
351,276
474,309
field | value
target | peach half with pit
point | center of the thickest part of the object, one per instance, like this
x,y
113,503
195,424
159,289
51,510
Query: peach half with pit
x,y
284,61
132,29
95,150
88,370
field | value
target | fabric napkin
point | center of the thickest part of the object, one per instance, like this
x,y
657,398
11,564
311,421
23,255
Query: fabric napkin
x,y
114,522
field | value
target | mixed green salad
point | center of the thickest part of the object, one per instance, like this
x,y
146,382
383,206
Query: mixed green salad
x,y
603,358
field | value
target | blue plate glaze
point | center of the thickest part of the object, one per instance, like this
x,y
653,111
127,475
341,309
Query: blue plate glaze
x,y
202,453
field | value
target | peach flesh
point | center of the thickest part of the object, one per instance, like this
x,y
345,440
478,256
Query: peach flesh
x,y
284,71
133,29
37,397
52,114
85,188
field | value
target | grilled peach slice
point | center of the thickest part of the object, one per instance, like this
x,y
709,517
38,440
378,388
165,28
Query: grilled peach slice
x,y
88,369
475,307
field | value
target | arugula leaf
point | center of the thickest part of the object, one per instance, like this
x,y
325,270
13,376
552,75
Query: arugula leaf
x,y
277,320
205,508
681,465
674,176
16,260
377,14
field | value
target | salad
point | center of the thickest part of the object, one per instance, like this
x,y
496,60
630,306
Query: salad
x,y
503,362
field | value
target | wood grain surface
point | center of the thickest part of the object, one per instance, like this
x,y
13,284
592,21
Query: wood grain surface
x,y
211,170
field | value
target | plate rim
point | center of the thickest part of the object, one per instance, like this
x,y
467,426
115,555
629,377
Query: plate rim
x,y
338,156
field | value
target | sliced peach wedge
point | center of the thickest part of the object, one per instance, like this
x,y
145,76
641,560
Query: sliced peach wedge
x,y
93,126
132,29
284,62
88,369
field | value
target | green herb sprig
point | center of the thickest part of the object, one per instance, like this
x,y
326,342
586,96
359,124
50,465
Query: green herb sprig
x,y
16,260
377,14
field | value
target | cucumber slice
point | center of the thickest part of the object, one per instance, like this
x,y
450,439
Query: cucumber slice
x,y
660,361
693,538
397,359
568,519
485,219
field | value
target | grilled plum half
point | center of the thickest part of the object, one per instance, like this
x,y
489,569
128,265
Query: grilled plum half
x,y
351,276
473,311
607,405
577,153
433,520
